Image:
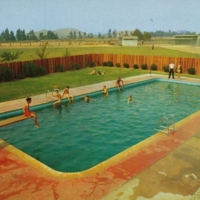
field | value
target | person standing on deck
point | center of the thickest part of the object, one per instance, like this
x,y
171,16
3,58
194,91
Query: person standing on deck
x,y
171,70
120,83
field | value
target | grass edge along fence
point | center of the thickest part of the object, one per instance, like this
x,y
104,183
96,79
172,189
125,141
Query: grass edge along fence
x,y
52,65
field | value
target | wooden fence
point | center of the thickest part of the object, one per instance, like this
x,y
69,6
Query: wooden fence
x,y
69,62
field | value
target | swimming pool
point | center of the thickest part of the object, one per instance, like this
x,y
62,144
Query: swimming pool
x,y
80,135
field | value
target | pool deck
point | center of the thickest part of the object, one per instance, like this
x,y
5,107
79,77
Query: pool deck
x,y
162,167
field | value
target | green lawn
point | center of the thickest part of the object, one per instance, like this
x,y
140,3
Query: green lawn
x,y
39,85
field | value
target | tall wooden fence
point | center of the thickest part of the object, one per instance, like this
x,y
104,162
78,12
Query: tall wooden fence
x,y
69,62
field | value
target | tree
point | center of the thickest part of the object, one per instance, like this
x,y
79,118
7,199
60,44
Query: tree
x,y
71,35
85,35
41,36
8,56
114,33
51,35
74,35
126,33
12,36
20,35
79,35
31,36
109,33
42,51
147,36
137,33
99,35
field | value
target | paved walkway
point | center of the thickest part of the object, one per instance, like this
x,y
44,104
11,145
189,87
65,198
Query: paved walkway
x,y
159,168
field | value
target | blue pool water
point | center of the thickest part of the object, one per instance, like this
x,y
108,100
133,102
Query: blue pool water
x,y
80,135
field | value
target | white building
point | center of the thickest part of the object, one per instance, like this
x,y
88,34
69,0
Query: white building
x,y
130,41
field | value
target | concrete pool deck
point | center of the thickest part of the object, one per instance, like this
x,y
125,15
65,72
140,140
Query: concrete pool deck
x,y
160,168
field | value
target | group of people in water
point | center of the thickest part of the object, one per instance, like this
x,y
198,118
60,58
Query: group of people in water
x,y
28,113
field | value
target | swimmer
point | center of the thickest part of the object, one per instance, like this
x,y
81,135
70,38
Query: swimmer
x,y
120,83
58,95
66,92
130,99
105,90
86,98
29,113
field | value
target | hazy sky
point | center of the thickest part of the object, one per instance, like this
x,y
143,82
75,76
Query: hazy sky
x,y
94,16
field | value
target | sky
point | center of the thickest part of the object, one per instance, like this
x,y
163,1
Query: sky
x,y
98,16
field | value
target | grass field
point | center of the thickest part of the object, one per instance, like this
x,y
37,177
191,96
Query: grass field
x,y
39,85
29,53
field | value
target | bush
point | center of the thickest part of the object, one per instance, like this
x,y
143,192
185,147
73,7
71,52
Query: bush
x,y
135,66
30,69
110,63
166,68
104,63
77,66
144,66
21,76
92,64
191,70
118,65
153,67
60,68
5,73
42,71
126,65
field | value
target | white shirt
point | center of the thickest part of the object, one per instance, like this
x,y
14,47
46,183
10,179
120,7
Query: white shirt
x,y
171,65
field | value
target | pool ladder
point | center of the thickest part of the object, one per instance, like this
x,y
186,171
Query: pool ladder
x,y
169,121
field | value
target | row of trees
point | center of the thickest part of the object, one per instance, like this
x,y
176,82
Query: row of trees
x,y
21,35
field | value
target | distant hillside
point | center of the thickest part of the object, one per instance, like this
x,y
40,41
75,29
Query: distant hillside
x,y
62,33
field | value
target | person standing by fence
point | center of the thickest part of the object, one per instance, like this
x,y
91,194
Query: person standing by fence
x,y
171,70
179,70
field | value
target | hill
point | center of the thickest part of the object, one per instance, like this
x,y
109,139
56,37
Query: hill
x,y
62,33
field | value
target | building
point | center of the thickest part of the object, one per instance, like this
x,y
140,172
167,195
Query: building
x,y
130,41
187,39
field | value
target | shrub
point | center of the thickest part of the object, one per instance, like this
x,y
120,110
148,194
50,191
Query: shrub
x,y
77,66
126,65
104,63
5,73
60,68
135,66
30,69
166,68
153,67
118,65
21,76
92,64
110,63
191,70
144,66
42,71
